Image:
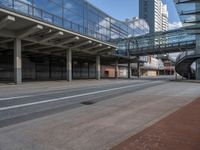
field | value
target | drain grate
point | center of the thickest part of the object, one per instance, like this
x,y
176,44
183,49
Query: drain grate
x,y
87,103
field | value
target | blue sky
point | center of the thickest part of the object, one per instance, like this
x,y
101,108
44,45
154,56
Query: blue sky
x,y
122,9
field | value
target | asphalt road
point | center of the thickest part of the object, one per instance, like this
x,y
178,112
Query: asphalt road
x,y
86,115
23,107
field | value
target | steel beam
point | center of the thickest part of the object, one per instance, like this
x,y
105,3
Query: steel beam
x,y
92,47
39,47
6,21
6,41
29,30
51,36
81,44
69,40
102,49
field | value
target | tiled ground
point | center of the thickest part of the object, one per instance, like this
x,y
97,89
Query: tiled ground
x,y
179,131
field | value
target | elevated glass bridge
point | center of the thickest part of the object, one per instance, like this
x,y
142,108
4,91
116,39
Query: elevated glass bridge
x,y
179,40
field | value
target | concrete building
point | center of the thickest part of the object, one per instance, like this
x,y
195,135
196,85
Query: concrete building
x,y
165,16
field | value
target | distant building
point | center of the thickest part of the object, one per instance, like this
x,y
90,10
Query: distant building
x,y
155,13
165,16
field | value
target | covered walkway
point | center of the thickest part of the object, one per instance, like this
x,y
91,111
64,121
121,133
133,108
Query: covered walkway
x,y
33,49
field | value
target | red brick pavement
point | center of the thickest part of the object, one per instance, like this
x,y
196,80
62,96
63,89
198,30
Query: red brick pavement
x,y
178,131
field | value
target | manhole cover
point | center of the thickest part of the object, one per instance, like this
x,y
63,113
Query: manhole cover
x,y
87,103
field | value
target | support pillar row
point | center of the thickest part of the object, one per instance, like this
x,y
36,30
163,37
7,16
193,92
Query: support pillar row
x,y
17,61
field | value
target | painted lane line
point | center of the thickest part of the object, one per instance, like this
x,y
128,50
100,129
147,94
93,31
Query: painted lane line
x,y
46,93
74,96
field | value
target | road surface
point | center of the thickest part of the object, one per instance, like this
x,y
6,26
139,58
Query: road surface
x,y
85,116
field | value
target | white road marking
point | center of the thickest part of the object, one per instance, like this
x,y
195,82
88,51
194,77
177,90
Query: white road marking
x,y
48,92
74,96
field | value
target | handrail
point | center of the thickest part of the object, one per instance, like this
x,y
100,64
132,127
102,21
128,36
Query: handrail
x,y
184,54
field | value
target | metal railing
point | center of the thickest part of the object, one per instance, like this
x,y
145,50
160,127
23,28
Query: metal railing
x,y
184,54
42,15
164,46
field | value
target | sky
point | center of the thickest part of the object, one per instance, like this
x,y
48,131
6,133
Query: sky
x,y
122,9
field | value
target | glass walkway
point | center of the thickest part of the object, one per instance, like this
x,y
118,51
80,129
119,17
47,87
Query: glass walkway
x,y
163,42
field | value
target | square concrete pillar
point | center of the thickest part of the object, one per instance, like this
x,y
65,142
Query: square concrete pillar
x,y
69,64
116,69
138,68
17,61
98,67
129,69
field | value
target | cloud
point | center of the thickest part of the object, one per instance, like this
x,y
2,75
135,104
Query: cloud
x,y
68,6
175,25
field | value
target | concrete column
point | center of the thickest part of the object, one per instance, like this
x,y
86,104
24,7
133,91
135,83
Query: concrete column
x,y
116,69
98,67
129,69
69,64
138,68
17,61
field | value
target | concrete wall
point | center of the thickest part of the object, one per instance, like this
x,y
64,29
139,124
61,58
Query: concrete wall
x,y
107,71
6,65
83,70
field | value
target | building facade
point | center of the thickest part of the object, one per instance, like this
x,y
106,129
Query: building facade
x,y
77,15
53,39
155,13
165,17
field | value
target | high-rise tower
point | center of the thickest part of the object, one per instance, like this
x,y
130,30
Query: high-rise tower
x,y
155,13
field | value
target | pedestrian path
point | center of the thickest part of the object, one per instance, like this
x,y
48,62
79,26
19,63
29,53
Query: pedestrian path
x,y
179,131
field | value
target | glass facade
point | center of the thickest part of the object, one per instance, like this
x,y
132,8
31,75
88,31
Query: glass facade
x,y
187,11
76,15
140,27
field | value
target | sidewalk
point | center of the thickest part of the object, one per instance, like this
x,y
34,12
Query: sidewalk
x,y
179,131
